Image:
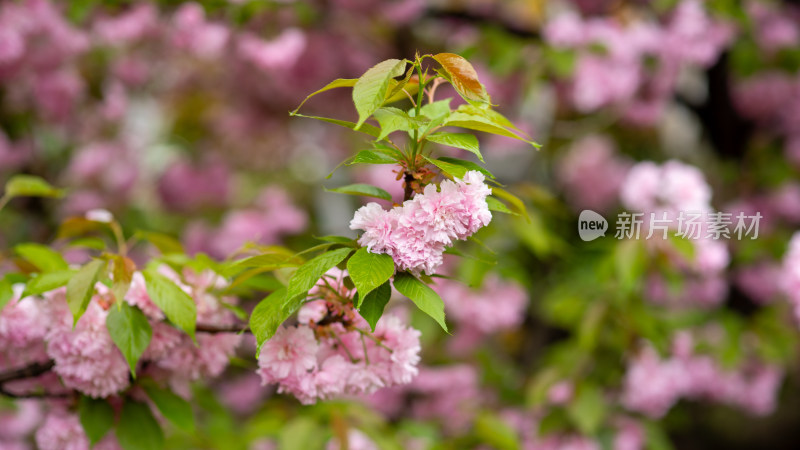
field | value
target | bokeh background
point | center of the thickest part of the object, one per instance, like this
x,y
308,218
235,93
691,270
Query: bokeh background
x,y
174,116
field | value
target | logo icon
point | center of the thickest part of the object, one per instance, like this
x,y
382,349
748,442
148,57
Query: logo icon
x,y
591,225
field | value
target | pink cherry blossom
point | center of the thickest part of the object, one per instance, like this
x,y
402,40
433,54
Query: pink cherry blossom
x,y
85,357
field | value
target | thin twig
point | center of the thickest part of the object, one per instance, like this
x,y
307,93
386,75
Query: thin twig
x,y
364,346
32,370
346,350
237,328
410,97
374,339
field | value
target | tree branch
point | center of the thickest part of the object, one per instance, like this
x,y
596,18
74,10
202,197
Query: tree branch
x,y
236,328
29,371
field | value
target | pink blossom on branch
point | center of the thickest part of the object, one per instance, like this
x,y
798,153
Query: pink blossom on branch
x,y
416,234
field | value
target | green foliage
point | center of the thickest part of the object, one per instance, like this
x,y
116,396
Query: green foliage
x,y
176,304
426,299
372,305
587,409
80,287
366,190
392,119
166,244
137,429
464,141
28,186
174,408
130,331
369,270
42,257
268,315
493,430
337,83
372,157
369,92
309,273
49,281
6,292
96,416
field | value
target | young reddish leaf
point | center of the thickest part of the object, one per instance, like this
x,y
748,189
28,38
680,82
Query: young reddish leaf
x,y
463,77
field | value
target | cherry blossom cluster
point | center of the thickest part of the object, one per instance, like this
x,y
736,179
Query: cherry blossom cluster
x,y
498,305
591,173
653,384
666,190
619,76
332,352
417,233
85,357
449,394
42,53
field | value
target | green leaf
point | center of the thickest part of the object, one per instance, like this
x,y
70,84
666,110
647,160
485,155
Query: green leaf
x,y
337,240
30,186
436,110
457,168
516,204
364,128
496,432
395,91
174,408
268,315
130,331
372,305
463,77
123,269
265,262
453,170
46,282
369,270
80,287
309,273
43,257
165,243
6,292
137,429
498,206
423,296
370,90
177,305
393,119
656,438
367,190
96,416
469,165
464,141
338,83
372,157
587,409
482,123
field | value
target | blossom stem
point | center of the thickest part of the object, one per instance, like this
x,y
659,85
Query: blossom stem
x,y
364,346
346,350
374,339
